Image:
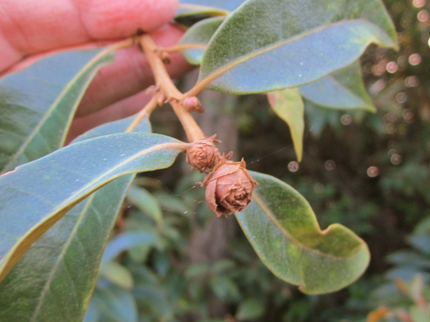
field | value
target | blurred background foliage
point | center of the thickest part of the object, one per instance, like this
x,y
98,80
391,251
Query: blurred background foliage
x,y
168,260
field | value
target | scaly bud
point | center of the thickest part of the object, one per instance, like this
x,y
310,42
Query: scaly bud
x,y
192,104
228,187
203,155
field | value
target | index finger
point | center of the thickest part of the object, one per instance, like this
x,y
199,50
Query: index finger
x,y
29,27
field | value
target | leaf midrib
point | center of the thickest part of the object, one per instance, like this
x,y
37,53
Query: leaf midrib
x,y
204,82
59,259
73,199
260,202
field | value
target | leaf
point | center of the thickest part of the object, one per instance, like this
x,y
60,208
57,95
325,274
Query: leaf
x,y
282,228
342,89
268,45
420,242
208,7
199,34
37,104
250,309
41,192
77,240
146,202
289,106
127,240
117,274
409,258
117,304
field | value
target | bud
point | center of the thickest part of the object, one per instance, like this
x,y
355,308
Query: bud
x,y
165,57
160,98
203,155
228,187
193,104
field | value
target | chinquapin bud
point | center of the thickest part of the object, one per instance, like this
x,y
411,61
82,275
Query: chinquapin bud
x,y
228,187
203,155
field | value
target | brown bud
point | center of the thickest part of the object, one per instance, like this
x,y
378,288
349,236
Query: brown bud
x,y
160,98
192,104
203,155
165,57
229,187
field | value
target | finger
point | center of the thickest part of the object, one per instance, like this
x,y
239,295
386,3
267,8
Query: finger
x,y
119,110
130,73
29,27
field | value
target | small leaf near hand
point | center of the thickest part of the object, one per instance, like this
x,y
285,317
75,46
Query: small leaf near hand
x,y
37,104
199,34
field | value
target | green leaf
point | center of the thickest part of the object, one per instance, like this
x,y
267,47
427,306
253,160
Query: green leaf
x,y
128,240
342,89
250,309
282,228
41,192
146,202
117,304
117,274
71,261
268,45
199,34
420,242
37,104
208,7
289,106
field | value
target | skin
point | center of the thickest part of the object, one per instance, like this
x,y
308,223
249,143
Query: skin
x,y
31,29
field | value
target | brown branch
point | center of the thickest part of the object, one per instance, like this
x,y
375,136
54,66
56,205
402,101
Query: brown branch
x,y
165,83
182,47
146,111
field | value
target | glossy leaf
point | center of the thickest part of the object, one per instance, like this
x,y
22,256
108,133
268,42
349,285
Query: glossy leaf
x,y
41,192
208,7
199,34
289,106
71,261
37,104
282,228
342,89
267,45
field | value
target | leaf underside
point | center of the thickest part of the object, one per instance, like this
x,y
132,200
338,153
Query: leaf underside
x,y
200,33
208,7
342,89
282,228
39,193
274,44
37,104
71,251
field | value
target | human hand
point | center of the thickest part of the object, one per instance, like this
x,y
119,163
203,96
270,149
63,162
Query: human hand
x,y
30,30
